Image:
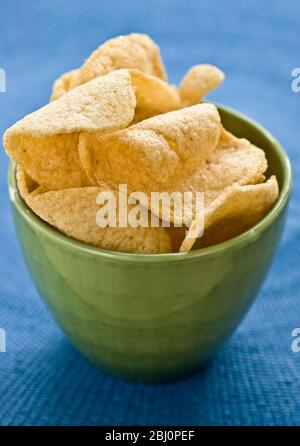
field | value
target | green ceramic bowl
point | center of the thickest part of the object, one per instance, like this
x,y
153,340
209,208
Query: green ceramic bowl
x,y
154,317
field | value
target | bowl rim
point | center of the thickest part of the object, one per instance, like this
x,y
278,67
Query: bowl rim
x,y
241,240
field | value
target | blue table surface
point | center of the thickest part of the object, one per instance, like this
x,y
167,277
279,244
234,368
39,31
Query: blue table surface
x,y
255,377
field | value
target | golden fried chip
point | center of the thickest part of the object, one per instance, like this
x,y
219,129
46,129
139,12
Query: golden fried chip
x,y
45,142
151,155
73,211
235,161
131,51
134,51
240,208
63,84
26,185
57,208
153,96
131,157
199,80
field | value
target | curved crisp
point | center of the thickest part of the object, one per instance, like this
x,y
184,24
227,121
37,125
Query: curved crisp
x,y
153,96
45,142
235,161
63,84
235,211
153,154
136,51
73,211
199,80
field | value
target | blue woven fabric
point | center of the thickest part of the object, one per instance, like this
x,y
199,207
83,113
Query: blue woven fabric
x,y
255,377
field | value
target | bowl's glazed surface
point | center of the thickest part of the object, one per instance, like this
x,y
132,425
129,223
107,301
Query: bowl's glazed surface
x,y
154,317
